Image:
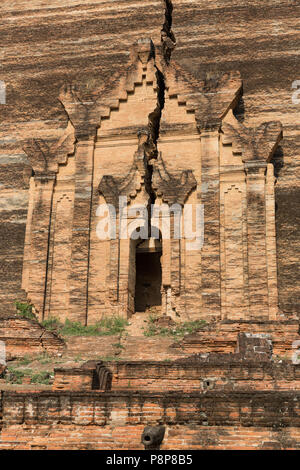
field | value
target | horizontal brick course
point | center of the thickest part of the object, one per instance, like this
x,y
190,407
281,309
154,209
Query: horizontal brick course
x,y
115,420
157,376
269,408
23,336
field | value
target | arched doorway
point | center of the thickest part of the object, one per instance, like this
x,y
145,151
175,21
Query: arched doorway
x,y
148,275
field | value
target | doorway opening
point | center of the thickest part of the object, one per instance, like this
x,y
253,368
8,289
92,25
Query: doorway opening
x,y
148,279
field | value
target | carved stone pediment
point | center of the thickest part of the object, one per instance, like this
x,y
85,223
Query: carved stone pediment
x,y
86,115
45,155
253,143
83,114
210,99
174,188
113,187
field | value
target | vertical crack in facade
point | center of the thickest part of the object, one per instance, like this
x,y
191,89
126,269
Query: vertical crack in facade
x,y
167,36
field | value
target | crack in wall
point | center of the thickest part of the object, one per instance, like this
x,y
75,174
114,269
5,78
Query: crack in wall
x,y
167,36
154,128
168,42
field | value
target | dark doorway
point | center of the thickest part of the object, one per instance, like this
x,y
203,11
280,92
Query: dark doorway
x,y
148,281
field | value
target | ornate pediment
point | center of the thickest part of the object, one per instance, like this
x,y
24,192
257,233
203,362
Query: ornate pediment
x,y
174,188
45,155
209,99
253,144
113,187
86,115
83,114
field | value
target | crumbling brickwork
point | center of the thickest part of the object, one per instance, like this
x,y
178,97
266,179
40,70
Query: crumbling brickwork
x,y
116,420
227,270
182,109
258,38
22,337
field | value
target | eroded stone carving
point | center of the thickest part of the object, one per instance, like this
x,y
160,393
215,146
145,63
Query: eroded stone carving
x,y
173,188
190,148
86,116
112,187
253,143
46,155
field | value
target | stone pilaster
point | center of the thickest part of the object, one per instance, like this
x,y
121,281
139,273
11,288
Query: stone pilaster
x,y
27,242
40,228
211,276
84,164
271,243
256,236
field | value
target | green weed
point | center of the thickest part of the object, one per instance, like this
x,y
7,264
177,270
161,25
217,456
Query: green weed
x,y
176,331
24,309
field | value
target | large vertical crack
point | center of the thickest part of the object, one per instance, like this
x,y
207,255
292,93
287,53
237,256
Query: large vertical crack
x,y
154,128
167,36
154,119
155,116
168,42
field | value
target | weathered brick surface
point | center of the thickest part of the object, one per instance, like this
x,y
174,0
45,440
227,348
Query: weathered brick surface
x,y
222,337
92,375
212,148
187,437
99,347
24,337
74,379
135,347
116,420
255,36
181,437
185,375
203,377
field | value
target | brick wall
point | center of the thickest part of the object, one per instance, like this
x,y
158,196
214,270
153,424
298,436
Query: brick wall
x,y
222,337
201,377
92,375
73,379
187,377
115,420
23,336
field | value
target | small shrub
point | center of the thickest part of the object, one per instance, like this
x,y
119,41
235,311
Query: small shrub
x,y
44,358
77,329
52,324
118,345
176,331
105,327
14,376
25,310
41,378
112,325
24,361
